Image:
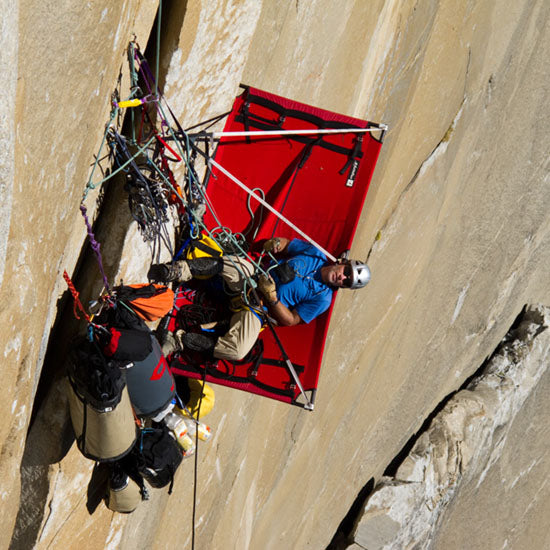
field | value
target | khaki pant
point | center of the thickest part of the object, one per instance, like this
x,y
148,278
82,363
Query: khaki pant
x,y
244,326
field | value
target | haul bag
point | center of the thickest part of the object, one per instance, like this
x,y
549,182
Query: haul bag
x,y
195,393
157,456
102,434
204,247
150,383
124,498
126,344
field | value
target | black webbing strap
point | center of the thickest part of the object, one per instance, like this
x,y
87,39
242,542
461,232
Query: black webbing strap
x,y
276,125
352,164
300,138
246,118
196,243
220,375
280,363
249,119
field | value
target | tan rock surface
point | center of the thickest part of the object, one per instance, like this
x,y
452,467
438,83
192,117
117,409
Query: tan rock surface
x,y
455,228
68,58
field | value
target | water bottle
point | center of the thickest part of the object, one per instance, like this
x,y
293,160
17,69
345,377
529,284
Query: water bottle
x,y
179,428
205,433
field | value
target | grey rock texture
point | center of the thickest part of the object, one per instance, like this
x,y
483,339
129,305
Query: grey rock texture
x,y
458,486
455,229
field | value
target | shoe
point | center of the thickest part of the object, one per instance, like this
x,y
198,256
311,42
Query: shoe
x,y
163,273
169,345
183,270
197,341
157,273
178,337
205,266
169,272
172,342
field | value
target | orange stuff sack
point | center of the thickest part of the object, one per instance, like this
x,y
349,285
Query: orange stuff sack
x,y
149,301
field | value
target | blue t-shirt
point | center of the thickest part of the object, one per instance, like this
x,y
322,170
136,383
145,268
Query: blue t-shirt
x,y
307,294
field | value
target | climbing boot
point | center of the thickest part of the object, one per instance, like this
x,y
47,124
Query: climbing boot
x,y
166,273
169,344
172,342
205,267
197,341
183,270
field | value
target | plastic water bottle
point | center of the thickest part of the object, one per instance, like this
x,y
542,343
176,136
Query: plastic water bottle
x,y
205,433
179,428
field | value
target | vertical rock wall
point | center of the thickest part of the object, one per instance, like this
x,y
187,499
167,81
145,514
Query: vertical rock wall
x,y
455,229
8,66
66,57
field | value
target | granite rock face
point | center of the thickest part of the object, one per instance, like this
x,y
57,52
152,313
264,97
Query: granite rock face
x,y
455,230
473,478
61,61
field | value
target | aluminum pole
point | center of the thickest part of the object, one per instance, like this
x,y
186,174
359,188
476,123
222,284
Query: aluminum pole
x,y
216,135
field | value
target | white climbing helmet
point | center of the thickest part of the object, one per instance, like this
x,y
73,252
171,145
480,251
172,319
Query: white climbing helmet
x,y
359,274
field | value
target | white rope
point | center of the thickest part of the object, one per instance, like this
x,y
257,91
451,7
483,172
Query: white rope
x,y
211,161
381,127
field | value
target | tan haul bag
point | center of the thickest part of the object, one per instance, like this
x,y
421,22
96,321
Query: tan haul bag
x,y
102,434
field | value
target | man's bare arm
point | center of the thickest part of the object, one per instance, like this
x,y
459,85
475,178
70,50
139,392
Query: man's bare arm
x,y
284,316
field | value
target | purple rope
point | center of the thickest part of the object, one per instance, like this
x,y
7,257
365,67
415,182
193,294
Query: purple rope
x,y
149,80
146,72
95,247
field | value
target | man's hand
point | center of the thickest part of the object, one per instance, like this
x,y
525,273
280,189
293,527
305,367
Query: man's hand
x,y
273,245
268,288
277,245
284,316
